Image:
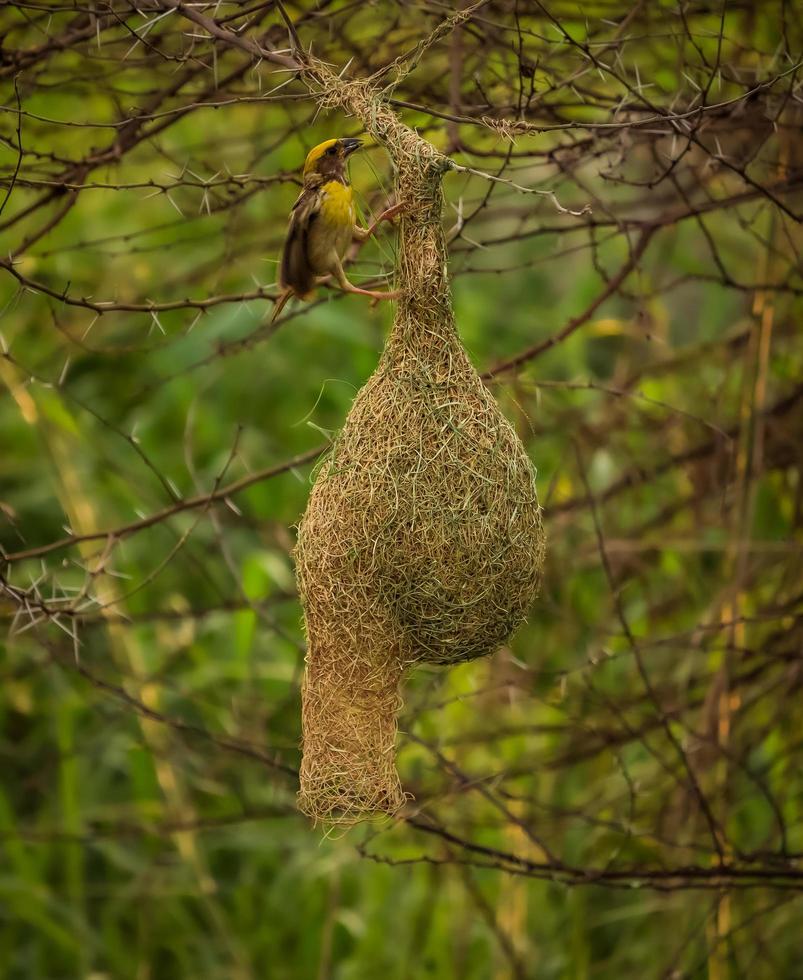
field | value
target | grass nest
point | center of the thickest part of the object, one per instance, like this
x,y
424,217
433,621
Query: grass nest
x,y
422,540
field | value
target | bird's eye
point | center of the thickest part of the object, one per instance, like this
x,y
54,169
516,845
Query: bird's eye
x,y
332,150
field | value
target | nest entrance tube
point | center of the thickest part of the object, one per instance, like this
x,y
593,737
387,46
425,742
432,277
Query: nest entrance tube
x,y
422,540
351,699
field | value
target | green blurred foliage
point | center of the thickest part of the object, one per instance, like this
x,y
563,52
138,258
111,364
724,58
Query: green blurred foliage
x,y
143,838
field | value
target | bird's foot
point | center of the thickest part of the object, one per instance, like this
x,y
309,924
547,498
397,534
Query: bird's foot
x,y
378,295
387,215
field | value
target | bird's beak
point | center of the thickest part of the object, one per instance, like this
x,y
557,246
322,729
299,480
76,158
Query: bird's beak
x,y
350,145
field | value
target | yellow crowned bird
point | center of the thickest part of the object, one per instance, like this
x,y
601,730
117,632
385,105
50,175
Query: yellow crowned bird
x,y
323,225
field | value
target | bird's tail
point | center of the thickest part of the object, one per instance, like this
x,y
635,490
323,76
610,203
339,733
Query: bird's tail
x,y
280,304
285,295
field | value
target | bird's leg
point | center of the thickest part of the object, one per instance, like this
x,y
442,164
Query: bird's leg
x,y
363,234
347,287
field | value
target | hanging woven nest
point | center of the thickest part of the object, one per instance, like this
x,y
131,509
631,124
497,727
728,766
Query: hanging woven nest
x,y
422,540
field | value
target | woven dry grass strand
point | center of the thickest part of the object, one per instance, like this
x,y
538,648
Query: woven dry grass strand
x,y
422,539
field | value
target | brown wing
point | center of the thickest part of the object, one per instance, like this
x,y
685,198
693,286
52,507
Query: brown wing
x,y
295,272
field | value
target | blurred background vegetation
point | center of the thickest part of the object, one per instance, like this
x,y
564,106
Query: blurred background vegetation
x,y
619,793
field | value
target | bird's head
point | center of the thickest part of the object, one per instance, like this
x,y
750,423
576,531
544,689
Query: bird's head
x,y
328,159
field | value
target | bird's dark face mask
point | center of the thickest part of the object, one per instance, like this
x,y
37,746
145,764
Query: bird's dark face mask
x,y
332,163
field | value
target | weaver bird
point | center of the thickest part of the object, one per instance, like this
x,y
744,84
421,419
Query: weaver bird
x,y
322,226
